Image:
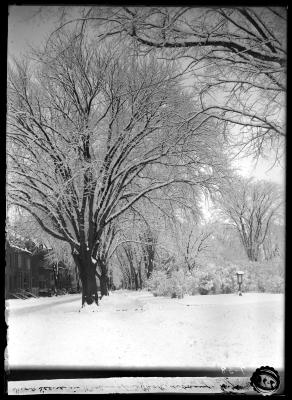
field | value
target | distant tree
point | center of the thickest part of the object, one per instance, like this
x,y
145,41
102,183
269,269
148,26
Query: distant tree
x,y
146,222
128,252
251,207
274,245
193,241
132,264
225,243
149,244
59,260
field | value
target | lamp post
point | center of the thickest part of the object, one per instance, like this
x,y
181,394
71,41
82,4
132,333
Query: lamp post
x,y
239,281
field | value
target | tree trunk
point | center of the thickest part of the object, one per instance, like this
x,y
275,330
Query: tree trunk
x,y
89,287
110,285
253,252
129,283
103,277
136,280
88,281
104,285
139,276
56,279
150,265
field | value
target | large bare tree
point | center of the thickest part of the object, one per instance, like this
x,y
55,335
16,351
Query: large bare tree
x,y
94,129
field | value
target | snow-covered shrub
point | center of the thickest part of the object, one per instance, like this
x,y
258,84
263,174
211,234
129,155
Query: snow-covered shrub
x,y
217,285
250,282
161,284
206,283
264,276
157,284
226,275
192,284
275,284
177,285
217,279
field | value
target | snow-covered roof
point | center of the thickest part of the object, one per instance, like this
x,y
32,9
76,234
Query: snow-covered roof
x,y
21,239
19,248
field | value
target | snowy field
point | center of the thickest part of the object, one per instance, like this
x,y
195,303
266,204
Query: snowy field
x,y
136,329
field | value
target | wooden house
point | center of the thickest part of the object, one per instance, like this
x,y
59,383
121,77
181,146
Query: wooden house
x,y
18,273
28,270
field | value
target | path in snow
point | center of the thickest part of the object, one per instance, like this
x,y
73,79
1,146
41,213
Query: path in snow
x,y
136,329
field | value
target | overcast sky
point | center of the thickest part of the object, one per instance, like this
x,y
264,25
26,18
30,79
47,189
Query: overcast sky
x,y
25,29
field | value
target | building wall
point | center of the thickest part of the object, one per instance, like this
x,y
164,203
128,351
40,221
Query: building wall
x,y
27,271
18,274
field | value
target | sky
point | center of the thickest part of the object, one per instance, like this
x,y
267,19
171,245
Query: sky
x,y
26,28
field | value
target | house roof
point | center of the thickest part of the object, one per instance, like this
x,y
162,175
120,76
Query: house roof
x,y
19,248
20,243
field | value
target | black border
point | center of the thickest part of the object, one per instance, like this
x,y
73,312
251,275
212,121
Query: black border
x,y
65,373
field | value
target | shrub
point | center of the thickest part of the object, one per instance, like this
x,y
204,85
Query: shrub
x,y
250,282
160,284
274,285
206,283
227,278
177,285
265,276
157,284
213,279
192,285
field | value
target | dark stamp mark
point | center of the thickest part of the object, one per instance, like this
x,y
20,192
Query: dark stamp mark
x,y
265,380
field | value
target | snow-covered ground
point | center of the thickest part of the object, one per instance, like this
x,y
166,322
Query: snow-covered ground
x,y
135,329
